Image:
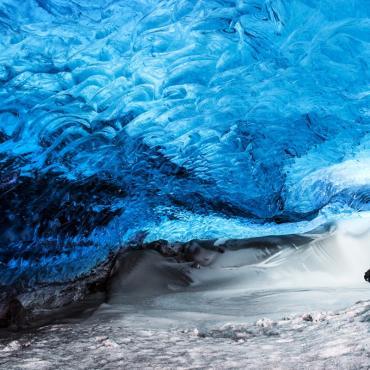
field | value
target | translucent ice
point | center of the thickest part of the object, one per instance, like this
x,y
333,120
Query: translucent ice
x,y
181,118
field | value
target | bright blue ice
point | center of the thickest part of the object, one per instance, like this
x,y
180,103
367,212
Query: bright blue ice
x,y
216,118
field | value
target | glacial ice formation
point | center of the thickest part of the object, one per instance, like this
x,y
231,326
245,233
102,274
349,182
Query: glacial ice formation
x,y
177,119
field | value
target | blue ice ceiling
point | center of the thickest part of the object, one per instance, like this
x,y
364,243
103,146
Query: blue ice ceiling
x,y
181,119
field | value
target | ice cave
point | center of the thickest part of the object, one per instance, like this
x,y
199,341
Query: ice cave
x,y
184,184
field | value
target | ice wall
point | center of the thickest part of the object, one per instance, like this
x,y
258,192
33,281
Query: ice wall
x,y
180,118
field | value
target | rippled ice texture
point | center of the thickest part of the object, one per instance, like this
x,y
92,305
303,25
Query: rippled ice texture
x,y
187,119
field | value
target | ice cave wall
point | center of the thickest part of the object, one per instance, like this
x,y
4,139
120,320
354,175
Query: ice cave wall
x,y
181,119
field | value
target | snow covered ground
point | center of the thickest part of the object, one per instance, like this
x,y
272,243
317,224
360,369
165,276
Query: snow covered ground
x,y
320,340
304,307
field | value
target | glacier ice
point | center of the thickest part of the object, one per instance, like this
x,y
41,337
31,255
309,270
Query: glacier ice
x,y
180,118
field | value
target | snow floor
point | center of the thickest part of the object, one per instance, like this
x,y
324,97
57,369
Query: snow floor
x,y
304,307
315,340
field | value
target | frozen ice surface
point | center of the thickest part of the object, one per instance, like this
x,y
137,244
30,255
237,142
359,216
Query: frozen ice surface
x,y
184,119
181,118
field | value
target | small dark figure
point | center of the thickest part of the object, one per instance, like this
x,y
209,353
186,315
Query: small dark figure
x,y
367,275
15,315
